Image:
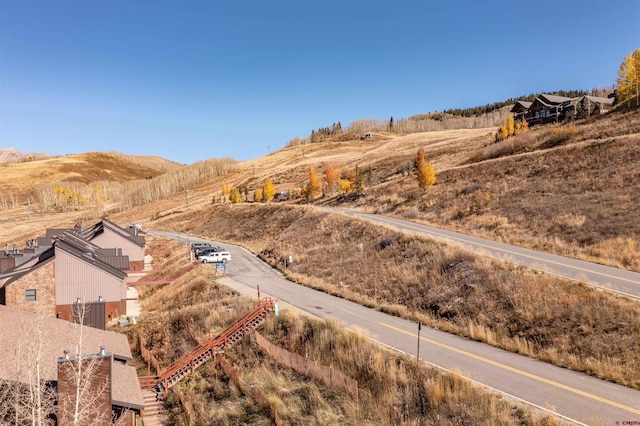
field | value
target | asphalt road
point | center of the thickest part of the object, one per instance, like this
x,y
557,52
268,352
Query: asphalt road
x,y
569,394
618,280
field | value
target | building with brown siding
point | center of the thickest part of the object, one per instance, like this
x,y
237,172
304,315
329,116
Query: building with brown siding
x,y
71,271
107,234
82,276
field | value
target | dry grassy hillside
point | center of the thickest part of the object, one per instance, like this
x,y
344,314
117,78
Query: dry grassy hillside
x,y
569,189
252,387
24,178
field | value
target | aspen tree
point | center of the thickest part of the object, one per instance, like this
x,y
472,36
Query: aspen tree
x,y
426,173
510,125
330,176
257,195
235,196
629,79
268,191
314,190
225,190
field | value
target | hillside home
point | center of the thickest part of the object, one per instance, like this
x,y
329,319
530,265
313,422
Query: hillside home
x,y
552,108
104,354
547,108
107,234
87,275
71,271
586,106
520,110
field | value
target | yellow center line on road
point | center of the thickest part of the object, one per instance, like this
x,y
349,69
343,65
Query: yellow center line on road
x,y
517,371
487,246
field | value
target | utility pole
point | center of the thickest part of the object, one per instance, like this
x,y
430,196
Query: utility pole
x,y
418,354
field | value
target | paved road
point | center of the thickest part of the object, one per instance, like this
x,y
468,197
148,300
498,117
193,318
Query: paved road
x,y
618,280
574,396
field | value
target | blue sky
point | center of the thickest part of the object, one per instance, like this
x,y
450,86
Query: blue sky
x,y
191,80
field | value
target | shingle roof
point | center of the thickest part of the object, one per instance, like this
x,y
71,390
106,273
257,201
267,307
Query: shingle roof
x,y
553,99
126,391
18,336
596,99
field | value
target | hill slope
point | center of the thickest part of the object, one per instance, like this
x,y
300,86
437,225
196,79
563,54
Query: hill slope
x,y
25,177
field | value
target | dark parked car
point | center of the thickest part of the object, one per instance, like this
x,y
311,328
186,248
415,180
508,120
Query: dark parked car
x,y
205,250
196,246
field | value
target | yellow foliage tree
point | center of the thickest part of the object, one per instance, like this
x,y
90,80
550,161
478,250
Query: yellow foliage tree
x,y
257,195
629,79
235,196
225,191
345,186
331,176
510,125
268,190
504,133
314,189
521,126
426,173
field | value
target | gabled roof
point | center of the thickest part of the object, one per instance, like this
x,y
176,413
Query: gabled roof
x,y
71,245
598,100
20,329
109,256
93,231
28,266
552,100
520,106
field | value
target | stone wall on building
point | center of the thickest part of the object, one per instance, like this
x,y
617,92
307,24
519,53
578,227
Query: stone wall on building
x,y
42,280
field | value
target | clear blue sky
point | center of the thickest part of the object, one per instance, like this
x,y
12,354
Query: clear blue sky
x,y
191,80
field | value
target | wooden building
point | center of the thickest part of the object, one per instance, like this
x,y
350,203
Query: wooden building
x,y
107,234
520,110
547,109
71,271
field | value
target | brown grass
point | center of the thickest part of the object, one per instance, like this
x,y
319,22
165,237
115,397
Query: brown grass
x,y
392,391
566,323
569,190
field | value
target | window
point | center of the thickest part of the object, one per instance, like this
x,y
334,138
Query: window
x,y
31,295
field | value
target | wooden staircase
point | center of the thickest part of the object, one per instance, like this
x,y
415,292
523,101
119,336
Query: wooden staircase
x,y
154,412
210,349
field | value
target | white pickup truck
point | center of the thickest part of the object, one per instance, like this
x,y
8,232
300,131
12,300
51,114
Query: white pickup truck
x,y
216,257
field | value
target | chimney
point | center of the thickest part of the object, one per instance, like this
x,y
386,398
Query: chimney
x,y
102,351
66,354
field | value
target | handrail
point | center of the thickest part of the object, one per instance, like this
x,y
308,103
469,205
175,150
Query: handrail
x,y
219,344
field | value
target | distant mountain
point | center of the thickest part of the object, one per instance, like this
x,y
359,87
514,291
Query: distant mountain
x,y
12,155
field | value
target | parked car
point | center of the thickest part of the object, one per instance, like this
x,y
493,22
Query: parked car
x,y
196,246
136,229
205,250
216,257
